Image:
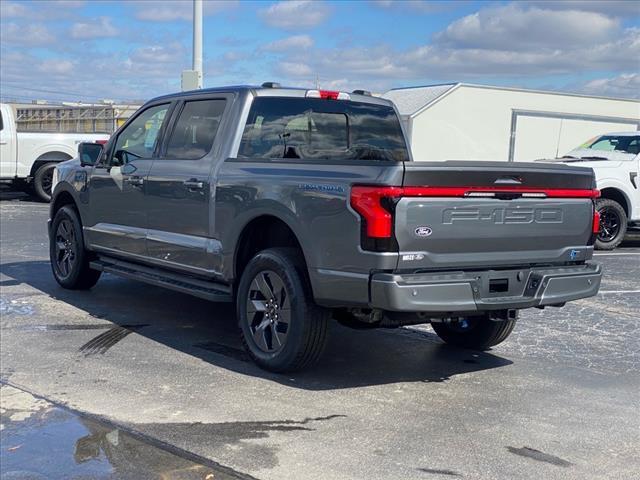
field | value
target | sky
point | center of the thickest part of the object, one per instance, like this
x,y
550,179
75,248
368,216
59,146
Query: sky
x,y
76,50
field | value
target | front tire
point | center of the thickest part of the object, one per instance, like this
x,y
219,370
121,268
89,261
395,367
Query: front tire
x,y
69,259
282,328
43,181
477,333
613,224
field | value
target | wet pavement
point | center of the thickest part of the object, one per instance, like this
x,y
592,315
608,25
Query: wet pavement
x,y
43,441
559,399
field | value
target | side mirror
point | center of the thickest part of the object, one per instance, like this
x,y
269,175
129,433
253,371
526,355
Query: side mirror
x,y
89,153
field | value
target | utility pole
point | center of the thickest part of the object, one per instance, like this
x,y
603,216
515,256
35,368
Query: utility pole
x,y
192,79
197,39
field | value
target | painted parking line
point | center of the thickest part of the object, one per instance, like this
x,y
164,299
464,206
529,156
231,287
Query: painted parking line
x,y
619,291
615,254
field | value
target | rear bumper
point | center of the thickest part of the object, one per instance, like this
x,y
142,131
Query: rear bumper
x,y
484,290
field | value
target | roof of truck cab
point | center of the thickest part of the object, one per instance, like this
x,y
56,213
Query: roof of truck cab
x,y
266,91
635,133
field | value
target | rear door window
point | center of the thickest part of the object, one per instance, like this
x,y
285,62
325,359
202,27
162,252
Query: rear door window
x,y
195,130
323,129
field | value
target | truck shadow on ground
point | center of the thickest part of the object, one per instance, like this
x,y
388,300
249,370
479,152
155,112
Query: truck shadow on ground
x,y
208,331
9,194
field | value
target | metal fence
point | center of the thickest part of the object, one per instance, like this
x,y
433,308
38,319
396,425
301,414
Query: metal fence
x,y
83,119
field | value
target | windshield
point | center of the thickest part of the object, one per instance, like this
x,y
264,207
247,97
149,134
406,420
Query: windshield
x,y
612,143
312,128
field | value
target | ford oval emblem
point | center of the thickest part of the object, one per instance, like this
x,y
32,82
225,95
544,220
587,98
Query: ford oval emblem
x,y
423,231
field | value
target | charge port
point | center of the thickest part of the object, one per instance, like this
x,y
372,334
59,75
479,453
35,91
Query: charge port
x,y
499,285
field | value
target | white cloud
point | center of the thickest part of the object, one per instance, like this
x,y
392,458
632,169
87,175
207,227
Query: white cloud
x,y
56,66
40,9
296,42
172,53
171,10
610,7
612,55
30,35
626,85
422,6
295,14
12,9
294,69
497,42
94,29
515,28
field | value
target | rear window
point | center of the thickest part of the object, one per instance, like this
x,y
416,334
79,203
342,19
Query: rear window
x,y
196,129
313,128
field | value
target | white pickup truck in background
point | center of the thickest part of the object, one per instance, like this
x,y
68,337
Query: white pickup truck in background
x,y
615,159
27,159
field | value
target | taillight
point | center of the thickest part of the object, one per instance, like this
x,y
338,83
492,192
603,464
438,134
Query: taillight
x,y
595,229
367,201
101,142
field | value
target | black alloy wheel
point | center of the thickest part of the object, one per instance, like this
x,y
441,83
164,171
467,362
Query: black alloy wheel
x,y
609,224
66,250
268,311
283,330
70,261
613,224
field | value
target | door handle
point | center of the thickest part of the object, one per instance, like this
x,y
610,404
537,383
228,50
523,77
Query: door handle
x,y
135,181
193,184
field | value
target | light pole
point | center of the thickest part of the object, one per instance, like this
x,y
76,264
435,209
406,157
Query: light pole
x,y
197,39
192,79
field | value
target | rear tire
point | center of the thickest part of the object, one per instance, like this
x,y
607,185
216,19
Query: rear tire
x,y
69,259
478,333
613,224
282,328
42,181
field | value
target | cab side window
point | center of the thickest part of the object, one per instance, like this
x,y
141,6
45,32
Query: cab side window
x,y
140,137
633,146
195,130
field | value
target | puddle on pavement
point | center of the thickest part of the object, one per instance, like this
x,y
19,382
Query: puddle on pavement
x,y
15,307
41,441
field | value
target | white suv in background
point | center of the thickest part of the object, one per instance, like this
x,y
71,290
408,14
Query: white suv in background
x,y
615,160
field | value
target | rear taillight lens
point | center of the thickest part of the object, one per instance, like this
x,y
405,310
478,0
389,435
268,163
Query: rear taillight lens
x,y
367,201
596,222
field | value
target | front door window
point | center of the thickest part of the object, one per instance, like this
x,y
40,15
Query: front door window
x,y
139,139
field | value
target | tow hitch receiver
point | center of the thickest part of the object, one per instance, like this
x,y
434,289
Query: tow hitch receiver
x,y
503,315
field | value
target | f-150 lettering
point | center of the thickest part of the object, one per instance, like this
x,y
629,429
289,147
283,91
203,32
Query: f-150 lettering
x,y
501,216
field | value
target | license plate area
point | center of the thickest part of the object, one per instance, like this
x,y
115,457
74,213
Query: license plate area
x,y
502,283
499,285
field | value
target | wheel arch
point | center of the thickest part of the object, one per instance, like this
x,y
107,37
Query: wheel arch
x,y
48,157
261,232
617,195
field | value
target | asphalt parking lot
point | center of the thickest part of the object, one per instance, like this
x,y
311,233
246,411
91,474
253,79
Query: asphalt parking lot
x,y
165,372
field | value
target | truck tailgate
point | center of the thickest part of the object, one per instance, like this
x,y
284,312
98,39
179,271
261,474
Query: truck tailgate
x,y
481,214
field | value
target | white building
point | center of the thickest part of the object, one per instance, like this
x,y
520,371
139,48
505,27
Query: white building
x,y
475,122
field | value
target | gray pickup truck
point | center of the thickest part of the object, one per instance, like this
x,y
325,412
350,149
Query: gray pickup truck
x,y
304,206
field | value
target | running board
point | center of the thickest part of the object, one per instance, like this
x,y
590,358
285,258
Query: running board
x,y
161,278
